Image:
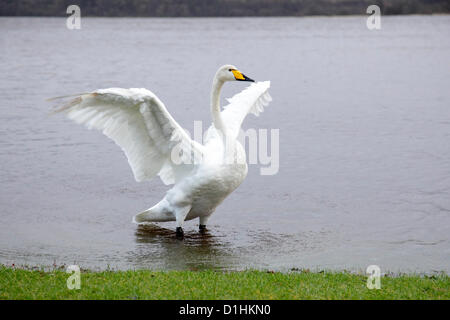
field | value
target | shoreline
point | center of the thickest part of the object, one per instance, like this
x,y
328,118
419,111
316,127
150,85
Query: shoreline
x,y
48,268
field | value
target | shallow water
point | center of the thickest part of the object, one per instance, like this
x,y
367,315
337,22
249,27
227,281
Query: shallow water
x,y
364,123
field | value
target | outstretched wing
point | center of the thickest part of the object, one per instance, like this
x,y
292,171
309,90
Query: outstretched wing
x,y
140,124
253,99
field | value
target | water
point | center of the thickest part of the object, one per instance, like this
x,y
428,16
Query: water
x,y
364,143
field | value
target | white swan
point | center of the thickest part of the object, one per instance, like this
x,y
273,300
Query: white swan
x,y
154,144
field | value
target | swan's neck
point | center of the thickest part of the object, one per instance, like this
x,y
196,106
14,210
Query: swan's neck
x,y
215,105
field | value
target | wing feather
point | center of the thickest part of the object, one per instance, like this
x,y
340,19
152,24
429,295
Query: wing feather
x,y
253,99
137,121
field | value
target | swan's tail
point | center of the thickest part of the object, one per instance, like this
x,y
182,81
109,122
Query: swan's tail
x,y
157,213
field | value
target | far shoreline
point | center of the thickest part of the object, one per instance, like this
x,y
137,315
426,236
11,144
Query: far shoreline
x,y
233,17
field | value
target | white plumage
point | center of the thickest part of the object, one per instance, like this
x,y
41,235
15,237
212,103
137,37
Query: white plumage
x,y
155,144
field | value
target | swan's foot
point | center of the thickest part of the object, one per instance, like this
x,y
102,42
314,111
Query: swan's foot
x,y
180,233
202,228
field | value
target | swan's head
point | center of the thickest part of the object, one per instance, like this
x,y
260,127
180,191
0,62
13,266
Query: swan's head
x,y
229,72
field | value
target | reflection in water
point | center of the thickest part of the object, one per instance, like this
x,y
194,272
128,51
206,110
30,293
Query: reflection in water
x,y
150,233
222,248
196,251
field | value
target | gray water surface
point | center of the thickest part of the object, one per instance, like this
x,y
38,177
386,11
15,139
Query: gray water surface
x,y
364,120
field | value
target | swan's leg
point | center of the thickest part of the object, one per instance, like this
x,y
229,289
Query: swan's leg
x,y
202,223
179,232
180,215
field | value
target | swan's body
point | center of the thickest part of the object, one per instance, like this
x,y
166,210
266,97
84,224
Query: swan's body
x,y
202,175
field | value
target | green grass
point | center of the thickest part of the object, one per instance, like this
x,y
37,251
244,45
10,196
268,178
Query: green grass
x,y
35,284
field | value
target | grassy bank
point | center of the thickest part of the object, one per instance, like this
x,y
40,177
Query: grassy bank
x,y
26,284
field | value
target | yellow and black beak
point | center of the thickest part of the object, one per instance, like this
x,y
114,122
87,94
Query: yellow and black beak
x,y
239,76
